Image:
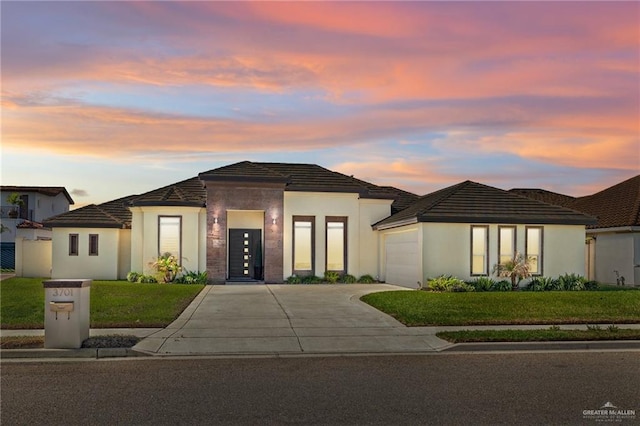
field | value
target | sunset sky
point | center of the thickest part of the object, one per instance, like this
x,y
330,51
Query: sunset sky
x,y
116,98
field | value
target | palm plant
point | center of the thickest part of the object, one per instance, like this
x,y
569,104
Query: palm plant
x,y
516,269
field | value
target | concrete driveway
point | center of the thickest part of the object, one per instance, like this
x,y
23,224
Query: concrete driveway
x,y
287,319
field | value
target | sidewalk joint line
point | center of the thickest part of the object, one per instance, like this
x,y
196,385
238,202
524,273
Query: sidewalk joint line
x,y
288,318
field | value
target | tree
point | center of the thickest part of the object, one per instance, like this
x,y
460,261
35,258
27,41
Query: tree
x,y
516,269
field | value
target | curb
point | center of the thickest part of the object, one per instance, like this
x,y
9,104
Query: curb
x,y
87,353
545,346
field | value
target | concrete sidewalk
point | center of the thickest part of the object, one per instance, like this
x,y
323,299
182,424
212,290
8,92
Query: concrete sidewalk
x,y
287,319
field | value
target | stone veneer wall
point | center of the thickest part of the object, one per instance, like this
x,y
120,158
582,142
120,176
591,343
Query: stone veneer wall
x,y
223,196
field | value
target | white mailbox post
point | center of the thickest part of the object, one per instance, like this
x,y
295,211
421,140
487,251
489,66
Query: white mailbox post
x,y
66,313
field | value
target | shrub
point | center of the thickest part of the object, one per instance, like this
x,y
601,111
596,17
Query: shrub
x,y
294,279
348,279
482,284
502,285
167,266
571,282
132,277
542,284
331,277
192,277
146,279
591,285
311,279
448,283
366,279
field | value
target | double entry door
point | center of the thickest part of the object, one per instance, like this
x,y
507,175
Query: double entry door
x,y
245,254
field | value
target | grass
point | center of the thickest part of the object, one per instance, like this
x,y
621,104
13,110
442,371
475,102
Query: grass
x,y
421,308
113,303
466,336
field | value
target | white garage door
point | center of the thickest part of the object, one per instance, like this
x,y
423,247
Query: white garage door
x,y
402,260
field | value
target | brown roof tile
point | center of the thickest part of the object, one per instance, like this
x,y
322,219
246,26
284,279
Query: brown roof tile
x,y
113,214
471,202
615,206
188,192
545,196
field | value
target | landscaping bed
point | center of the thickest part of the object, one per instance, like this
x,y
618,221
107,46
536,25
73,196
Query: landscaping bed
x,y
114,304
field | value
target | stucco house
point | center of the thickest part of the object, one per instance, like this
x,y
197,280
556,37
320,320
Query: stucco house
x,y
612,243
262,222
25,220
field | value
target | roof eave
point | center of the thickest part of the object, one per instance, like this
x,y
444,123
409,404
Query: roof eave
x,y
507,219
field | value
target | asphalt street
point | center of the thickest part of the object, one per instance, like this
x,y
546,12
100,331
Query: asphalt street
x,y
521,388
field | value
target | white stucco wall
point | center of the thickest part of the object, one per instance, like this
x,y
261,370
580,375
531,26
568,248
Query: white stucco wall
x,y
362,240
124,254
104,266
144,236
33,258
615,252
446,248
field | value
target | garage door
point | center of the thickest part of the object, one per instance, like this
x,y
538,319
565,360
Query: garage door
x,y
402,260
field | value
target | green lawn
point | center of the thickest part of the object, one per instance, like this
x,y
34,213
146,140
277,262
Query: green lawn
x,y
421,308
464,336
113,303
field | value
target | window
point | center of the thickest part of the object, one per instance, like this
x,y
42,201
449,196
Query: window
x,y
93,244
533,246
73,244
479,244
303,245
336,244
169,236
506,243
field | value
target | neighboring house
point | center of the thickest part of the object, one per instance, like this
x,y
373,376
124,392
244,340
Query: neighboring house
x,y
613,243
266,221
38,203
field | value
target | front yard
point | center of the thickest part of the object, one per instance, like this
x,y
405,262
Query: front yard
x,y
113,303
421,308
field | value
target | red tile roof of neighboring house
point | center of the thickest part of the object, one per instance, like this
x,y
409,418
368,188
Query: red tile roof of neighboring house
x,y
51,191
616,206
29,224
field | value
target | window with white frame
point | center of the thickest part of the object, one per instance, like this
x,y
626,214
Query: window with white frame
x,y
506,243
533,243
479,250
170,236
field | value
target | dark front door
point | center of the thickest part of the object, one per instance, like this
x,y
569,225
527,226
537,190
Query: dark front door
x,y
245,254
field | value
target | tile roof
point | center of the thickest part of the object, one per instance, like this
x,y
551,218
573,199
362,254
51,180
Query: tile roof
x,y
188,192
616,206
545,196
471,202
403,198
296,177
29,224
112,214
50,191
